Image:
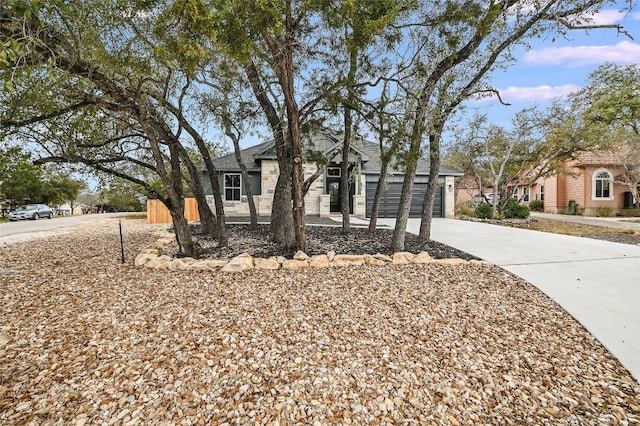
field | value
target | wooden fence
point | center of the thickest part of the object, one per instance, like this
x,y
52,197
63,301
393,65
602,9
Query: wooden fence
x,y
158,213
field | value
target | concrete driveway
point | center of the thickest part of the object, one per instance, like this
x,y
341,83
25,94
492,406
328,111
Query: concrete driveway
x,y
597,282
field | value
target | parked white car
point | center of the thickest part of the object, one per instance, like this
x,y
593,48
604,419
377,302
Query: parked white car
x,y
477,199
31,211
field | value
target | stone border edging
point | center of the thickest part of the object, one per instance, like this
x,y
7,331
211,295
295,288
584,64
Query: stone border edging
x,y
153,257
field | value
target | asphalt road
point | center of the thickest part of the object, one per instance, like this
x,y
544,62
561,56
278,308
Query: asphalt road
x,y
31,227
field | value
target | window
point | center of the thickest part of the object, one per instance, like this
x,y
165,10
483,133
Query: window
x,y
515,193
542,192
232,187
333,171
602,185
525,194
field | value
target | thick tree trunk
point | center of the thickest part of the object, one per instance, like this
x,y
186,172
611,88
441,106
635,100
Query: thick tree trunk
x,y
281,213
220,230
215,224
400,230
181,228
297,183
283,57
397,241
282,226
207,218
429,196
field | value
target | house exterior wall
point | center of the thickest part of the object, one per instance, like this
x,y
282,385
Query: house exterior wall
x,y
316,202
592,204
578,186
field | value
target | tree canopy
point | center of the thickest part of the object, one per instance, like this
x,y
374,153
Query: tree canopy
x,y
119,86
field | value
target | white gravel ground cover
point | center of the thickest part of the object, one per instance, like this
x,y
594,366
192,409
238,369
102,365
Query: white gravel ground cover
x,y
85,339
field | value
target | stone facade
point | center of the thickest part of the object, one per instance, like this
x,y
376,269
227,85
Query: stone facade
x,y
316,200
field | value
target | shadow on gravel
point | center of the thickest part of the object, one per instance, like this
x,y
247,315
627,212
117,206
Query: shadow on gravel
x,y
323,235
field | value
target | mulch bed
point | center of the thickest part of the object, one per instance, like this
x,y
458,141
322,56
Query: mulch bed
x,y
320,239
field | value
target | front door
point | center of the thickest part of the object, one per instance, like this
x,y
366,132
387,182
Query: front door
x,y
333,189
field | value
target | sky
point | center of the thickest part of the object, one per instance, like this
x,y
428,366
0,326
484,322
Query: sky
x,y
552,69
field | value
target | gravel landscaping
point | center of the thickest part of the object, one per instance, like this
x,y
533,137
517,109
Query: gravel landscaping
x,y
85,339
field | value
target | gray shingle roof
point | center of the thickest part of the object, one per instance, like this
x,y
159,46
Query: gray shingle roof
x,y
324,142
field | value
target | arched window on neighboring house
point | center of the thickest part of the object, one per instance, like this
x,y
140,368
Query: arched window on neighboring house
x,y
602,185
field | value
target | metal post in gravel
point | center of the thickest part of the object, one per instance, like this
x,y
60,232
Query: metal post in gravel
x,y
121,241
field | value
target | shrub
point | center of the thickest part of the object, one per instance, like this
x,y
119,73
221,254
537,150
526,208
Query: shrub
x,y
513,209
572,208
463,209
483,211
536,206
604,211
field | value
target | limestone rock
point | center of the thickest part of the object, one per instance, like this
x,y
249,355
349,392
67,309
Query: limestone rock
x,y
144,258
208,265
330,255
372,260
300,255
383,257
402,258
347,260
161,262
180,264
295,264
240,263
422,257
319,261
270,263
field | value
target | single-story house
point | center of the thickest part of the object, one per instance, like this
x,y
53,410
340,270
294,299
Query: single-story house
x,y
323,197
587,183
64,209
591,181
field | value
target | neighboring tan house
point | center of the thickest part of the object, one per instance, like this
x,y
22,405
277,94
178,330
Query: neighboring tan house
x,y
64,209
589,181
323,197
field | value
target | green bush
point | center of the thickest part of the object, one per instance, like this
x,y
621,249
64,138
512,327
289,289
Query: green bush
x,y
483,211
513,209
572,208
604,211
536,206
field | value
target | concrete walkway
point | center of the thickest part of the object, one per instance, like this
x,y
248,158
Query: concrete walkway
x,y
597,282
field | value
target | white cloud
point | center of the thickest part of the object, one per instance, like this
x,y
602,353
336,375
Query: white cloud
x,y
532,94
606,17
625,52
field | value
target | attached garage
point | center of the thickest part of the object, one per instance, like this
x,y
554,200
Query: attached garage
x,y
390,199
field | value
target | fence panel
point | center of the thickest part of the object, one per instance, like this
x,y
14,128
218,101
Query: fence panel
x,y
158,213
